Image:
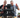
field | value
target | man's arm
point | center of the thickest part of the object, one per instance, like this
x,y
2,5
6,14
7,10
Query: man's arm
x,y
17,7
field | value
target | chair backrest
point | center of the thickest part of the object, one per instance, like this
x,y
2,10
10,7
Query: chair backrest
x,y
8,6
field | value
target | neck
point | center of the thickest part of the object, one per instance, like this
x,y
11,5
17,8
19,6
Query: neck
x,y
4,5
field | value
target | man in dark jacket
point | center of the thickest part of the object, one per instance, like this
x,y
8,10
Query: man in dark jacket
x,y
2,7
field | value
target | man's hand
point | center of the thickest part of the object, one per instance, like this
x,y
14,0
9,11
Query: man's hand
x,y
5,7
16,5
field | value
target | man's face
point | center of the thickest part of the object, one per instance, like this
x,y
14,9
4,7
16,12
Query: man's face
x,y
11,3
4,2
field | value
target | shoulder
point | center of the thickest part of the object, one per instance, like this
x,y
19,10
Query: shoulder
x,y
2,5
14,5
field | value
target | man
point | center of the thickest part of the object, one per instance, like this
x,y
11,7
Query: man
x,y
2,7
13,7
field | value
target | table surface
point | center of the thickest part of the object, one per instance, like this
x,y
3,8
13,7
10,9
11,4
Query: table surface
x,y
3,17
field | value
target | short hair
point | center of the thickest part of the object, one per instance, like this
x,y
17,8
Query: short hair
x,y
11,1
5,1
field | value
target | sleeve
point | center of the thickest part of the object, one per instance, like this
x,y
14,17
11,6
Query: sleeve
x,y
16,7
1,6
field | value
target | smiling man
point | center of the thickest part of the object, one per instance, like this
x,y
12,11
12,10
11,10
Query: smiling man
x,y
14,7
